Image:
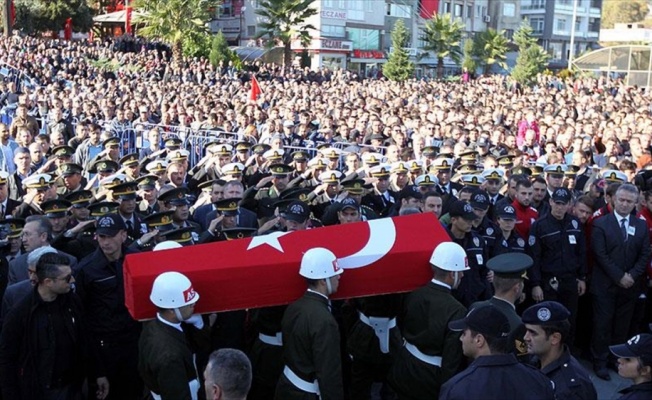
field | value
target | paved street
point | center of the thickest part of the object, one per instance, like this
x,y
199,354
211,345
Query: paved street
x,y
606,390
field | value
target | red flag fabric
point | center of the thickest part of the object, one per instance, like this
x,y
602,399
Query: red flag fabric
x,y
128,19
67,29
12,10
388,255
255,89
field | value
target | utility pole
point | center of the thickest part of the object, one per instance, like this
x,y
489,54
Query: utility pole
x,y
6,17
572,38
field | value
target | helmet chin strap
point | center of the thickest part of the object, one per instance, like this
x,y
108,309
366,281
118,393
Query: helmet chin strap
x,y
177,314
456,279
329,287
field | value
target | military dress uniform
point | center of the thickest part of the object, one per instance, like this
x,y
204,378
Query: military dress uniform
x,y
266,353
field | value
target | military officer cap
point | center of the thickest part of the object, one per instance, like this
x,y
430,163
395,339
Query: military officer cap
x,y
13,227
572,170
113,180
506,161
639,346
295,193
125,191
415,165
479,200
157,166
104,166
297,211
238,233
280,169
561,195
242,147
426,180
555,169
80,198
220,149
130,160
4,176
274,154
63,151
472,180
208,185
510,265
176,196
330,176
380,171
177,155
411,191
300,156
545,313
442,164
68,169
172,143
355,187
462,209
160,220
331,153
467,169
612,175
400,167
537,170
234,168
372,159
493,173
487,320
147,182
111,142
318,163
468,157
521,170
183,236
228,207
102,208
349,203
429,151
261,148
37,181
506,212
56,208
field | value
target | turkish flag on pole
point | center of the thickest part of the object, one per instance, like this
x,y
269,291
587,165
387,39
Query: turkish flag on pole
x,y
388,255
128,10
67,29
255,89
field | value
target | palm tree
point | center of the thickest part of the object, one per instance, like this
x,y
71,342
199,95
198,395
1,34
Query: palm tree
x,y
490,48
284,20
173,21
443,36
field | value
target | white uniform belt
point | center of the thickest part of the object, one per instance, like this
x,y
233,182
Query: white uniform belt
x,y
194,388
310,387
381,327
432,360
276,340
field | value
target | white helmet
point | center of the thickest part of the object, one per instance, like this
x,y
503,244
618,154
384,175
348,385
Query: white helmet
x,y
167,245
173,290
319,263
449,256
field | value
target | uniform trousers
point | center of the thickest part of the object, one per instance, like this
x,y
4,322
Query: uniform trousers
x,y
565,294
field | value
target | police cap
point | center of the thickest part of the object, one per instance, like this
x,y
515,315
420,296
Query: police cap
x,y
545,313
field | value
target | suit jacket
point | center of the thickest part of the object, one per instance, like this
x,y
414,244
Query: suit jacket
x,y
613,256
18,267
13,295
11,206
200,215
16,190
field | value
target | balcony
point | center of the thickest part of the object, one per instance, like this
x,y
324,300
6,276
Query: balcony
x,y
593,34
531,7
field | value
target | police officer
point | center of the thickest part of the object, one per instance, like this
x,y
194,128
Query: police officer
x,y
506,239
485,339
547,324
482,224
559,251
431,354
311,340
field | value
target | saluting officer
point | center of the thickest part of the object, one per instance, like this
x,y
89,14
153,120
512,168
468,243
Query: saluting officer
x,y
548,326
261,198
381,200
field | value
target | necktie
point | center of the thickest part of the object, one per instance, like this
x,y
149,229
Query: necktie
x,y
493,201
623,229
444,189
2,211
130,225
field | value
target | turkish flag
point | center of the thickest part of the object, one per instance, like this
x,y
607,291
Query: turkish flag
x,y
128,19
388,255
255,89
67,29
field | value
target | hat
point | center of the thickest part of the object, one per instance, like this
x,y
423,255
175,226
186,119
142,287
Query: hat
x,y
612,175
288,123
638,346
468,157
296,211
462,209
506,212
318,163
295,193
103,208
228,207
37,181
242,147
372,159
160,220
555,169
68,169
80,198
379,171
442,164
274,154
331,153
537,170
415,165
182,236
506,161
130,160
429,151
349,203
572,170
467,168
480,200
4,176
111,142
561,195
238,233
105,166
280,169
521,170
172,143
482,142
56,208
220,149
110,225
493,173
157,166
410,191
125,191
14,226
487,320
510,265
177,155
112,180
355,186
176,196
377,136
330,176
472,180
545,313
260,148
235,168
300,156
147,182
63,151
426,180
400,167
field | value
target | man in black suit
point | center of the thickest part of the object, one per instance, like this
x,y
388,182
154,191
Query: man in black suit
x,y
125,194
23,160
7,205
244,218
620,243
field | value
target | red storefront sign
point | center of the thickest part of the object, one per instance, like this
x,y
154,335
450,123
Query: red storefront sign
x,y
357,53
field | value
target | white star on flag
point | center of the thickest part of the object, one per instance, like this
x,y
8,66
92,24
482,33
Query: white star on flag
x,y
269,239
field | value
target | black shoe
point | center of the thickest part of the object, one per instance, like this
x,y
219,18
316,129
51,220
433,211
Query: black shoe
x,y
602,372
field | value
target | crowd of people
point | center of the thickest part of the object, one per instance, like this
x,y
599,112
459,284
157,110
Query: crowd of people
x,y
105,153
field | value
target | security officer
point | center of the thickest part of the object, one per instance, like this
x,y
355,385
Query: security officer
x,y
547,328
482,225
431,354
260,198
474,286
506,239
559,250
125,194
381,200
485,339
311,340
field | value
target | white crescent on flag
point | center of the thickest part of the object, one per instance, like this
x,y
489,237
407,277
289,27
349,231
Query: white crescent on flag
x,y
382,235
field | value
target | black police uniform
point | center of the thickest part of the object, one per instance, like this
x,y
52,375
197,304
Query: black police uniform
x,y
474,285
487,229
513,244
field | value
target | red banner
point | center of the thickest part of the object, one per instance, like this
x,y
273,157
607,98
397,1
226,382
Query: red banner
x,y
67,29
255,89
128,10
387,255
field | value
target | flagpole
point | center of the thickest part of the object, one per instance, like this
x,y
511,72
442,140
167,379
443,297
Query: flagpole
x,y
572,38
126,16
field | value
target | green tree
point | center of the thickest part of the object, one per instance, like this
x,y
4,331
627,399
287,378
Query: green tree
x,y
468,61
490,48
532,58
398,66
220,50
443,36
619,11
177,22
50,15
283,21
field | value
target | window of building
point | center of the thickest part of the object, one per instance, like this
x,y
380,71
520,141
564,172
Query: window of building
x,y
328,4
457,8
333,31
251,30
342,4
537,25
469,11
509,9
355,10
538,3
561,24
225,10
578,23
364,39
447,8
399,10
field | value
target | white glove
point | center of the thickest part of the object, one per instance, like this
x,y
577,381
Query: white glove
x,y
195,320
